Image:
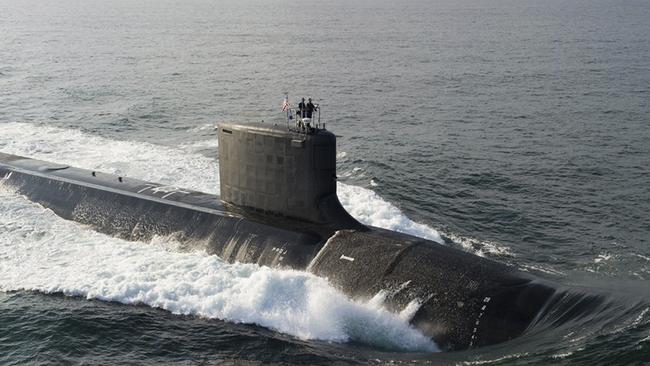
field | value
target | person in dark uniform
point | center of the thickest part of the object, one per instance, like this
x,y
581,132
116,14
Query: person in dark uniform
x,y
300,113
310,108
301,109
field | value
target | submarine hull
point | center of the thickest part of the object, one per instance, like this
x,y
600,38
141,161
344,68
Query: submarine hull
x,y
137,210
462,300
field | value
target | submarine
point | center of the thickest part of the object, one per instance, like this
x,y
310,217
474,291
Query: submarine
x,y
278,207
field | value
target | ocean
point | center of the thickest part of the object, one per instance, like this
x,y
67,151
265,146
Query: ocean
x,y
516,130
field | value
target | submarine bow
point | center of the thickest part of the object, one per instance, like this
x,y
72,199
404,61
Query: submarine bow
x,y
278,207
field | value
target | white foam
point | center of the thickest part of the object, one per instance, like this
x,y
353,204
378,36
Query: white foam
x,y
603,257
369,208
540,268
641,256
203,127
178,166
41,252
480,247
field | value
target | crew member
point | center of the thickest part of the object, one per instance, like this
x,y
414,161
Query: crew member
x,y
301,109
310,108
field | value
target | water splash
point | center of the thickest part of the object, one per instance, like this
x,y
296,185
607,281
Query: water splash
x,y
41,252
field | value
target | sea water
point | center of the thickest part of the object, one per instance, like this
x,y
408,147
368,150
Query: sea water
x,y
514,130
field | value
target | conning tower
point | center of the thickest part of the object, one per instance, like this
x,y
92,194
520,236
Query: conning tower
x,y
281,171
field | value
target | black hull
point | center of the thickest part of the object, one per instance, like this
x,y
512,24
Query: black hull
x,y
466,301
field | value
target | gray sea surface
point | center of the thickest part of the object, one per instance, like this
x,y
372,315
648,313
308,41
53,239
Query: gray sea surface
x,y
518,130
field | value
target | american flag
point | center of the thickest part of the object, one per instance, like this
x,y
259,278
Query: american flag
x,y
285,104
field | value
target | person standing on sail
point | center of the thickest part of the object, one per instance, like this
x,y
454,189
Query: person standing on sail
x,y
301,109
310,108
300,113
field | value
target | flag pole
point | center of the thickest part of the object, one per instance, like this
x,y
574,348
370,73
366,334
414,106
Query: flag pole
x,y
285,106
